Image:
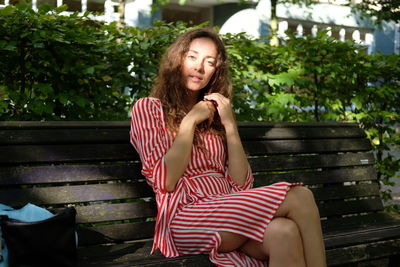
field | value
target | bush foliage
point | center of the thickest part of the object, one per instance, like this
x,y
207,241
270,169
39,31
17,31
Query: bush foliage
x,y
57,67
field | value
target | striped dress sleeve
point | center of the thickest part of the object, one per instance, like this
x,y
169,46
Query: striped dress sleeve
x,y
149,136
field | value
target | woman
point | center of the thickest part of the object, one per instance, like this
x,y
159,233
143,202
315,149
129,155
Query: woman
x,y
192,157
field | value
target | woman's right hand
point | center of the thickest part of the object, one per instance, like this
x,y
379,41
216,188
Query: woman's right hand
x,y
200,112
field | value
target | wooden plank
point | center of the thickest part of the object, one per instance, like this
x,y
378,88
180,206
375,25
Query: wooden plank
x,y
362,235
63,124
64,136
74,193
337,208
199,260
318,177
125,124
342,224
261,124
115,233
344,192
357,253
301,162
67,153
29,175
119,135
135,254
115,212
248,133
122,252
305,146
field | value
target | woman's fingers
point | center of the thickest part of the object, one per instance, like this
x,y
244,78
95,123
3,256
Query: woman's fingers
x,y
218,98
202,111
223,106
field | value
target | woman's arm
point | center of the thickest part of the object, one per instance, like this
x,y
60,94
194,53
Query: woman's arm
x,y
237,160
178,156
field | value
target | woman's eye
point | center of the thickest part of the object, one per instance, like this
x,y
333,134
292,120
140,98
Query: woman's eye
x,y
211,63
191,57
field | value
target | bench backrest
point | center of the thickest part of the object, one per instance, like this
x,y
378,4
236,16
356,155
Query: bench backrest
x,y
92,166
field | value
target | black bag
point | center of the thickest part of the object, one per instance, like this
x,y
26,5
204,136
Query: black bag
x,y
49,242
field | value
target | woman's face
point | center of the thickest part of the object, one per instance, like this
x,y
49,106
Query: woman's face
x,y
199,63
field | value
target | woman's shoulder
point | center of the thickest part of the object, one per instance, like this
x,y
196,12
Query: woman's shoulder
x,y
147,103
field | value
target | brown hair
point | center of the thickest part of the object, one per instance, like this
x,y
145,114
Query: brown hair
x,y
170,88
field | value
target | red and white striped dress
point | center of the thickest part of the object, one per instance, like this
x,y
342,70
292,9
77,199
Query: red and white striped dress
x,y
206,200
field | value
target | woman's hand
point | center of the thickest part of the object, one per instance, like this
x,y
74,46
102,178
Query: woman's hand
x,y
200,112
224,108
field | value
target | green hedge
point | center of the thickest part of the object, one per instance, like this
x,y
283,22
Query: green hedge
x,y
57,67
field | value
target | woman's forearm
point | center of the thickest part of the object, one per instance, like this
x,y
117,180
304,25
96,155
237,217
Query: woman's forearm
x,y
178,156
237,160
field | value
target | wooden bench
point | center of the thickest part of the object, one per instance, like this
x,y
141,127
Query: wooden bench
x,y
92,166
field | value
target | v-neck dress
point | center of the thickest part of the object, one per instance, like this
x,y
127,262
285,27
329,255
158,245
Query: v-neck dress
x,y
206,200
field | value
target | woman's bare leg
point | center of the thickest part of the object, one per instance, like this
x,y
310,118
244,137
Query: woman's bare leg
x,y
282,244
299,206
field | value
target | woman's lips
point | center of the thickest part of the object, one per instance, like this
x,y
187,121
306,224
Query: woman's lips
x,y
195,78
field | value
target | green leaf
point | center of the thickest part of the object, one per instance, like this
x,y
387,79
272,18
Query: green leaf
x,y
46,88
106,78
284,78
89,70
80,101
61,9
44,8
38,45
63,99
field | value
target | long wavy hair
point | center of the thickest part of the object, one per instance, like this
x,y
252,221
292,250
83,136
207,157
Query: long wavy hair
x,y
170,88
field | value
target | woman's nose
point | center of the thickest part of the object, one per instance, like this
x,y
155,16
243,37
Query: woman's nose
x,y
199,66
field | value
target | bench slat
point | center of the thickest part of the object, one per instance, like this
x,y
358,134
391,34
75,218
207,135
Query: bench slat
x,y
115,233
87,173
311,161
67,153
68,173
318,177
335,226
335,208
305,146
115,212
63,136
74,193
248,133
363,252
78,124
358,236
344,192
115,135
115,152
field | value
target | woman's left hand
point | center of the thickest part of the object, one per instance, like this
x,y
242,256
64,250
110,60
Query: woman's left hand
x,y
224,108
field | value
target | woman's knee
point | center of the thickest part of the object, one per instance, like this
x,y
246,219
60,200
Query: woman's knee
x,y
282,230
283,243
300,200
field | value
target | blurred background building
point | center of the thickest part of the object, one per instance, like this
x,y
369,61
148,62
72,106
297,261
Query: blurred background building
x,y
252,18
